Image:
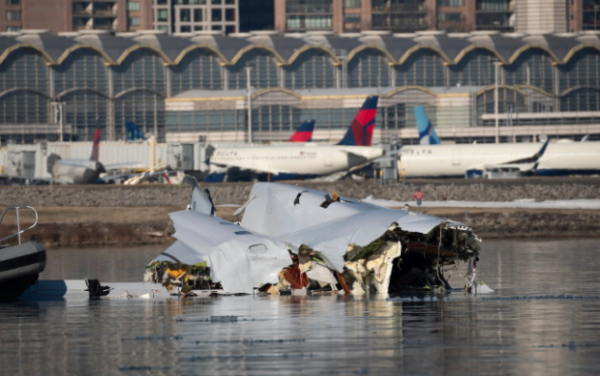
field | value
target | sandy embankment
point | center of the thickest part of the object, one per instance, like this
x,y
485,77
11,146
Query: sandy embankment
x,y
117,215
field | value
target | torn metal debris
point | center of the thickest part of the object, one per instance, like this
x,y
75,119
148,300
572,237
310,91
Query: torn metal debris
x,y
291,240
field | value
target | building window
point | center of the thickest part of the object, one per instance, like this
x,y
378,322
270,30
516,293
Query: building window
x,y
217,2
449,3
13,2
229,14
198,15
230,29
134,21
309,22
450,17
308,6
198,28
217,15
133,5
13,15
185,29
230,2
161,2
217,27
163,28
494,5
184,15
351,18
351,3
163,15
13,28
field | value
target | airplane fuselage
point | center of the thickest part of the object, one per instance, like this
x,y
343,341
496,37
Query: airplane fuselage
x,y
456,160
77,171
294,160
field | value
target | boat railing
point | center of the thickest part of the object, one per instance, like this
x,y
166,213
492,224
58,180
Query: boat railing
x,y
19,231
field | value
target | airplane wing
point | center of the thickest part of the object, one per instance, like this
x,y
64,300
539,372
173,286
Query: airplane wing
x,y
523,164
266,170
115,166
274,212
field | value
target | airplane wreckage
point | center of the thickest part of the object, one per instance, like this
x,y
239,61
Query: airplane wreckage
x,y
294,241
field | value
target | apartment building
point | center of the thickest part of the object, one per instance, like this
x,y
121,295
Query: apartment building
x,y
347,16
185,16
73,15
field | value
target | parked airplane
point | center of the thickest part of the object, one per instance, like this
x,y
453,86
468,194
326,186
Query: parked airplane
x,y
286,162
81,171
431,159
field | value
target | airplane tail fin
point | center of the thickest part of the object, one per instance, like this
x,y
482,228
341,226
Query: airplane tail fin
x,y
427,134
304,132
133,133
201,200
360,131
96,147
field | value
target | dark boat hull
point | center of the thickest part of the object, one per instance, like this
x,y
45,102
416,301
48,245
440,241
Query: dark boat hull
x,y
20,267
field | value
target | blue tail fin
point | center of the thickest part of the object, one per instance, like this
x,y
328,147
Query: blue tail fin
x,y
360,131
427,134
133,133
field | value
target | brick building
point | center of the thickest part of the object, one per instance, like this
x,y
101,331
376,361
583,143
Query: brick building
x,y
73,15
347,16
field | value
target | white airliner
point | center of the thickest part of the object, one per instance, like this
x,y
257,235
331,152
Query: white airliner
x,y
81,171
430,159
301,161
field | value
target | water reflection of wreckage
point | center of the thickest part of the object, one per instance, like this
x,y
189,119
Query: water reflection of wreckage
x,y
293,240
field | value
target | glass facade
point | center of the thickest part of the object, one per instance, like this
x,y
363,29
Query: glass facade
x,y
134,88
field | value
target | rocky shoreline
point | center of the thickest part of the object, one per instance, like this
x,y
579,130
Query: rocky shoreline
x,y
237,193
126,215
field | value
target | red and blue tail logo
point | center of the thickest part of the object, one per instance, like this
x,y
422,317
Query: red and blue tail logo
x,y
360,131
96,147
304,132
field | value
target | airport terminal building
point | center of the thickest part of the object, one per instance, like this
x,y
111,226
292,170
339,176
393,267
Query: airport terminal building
x,y
191,87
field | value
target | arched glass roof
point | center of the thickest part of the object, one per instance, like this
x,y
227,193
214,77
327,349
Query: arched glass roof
x,y
451,47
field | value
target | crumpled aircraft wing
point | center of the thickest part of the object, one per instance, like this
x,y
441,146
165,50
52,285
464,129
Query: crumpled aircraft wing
x,y
238,258
272,210
330,230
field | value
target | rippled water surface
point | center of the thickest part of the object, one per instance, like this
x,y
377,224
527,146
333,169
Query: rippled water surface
x,y
544,319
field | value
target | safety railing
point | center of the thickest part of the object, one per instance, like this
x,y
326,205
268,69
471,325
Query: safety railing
x,y
19,231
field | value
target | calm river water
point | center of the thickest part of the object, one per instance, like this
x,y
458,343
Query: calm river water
x,y
544,319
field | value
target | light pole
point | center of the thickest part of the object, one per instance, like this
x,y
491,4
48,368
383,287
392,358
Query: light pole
x,y
249,89
496,68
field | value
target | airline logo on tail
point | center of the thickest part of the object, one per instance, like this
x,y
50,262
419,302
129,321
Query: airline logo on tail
x,y
427,134
133,133
360,131
96,148
304,132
